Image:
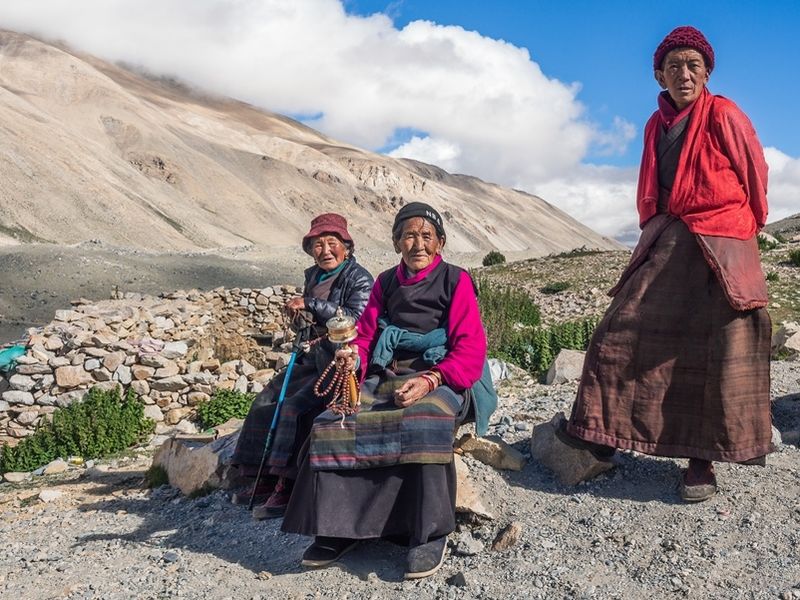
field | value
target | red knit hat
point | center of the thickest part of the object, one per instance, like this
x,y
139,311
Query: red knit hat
x,y
329,223
684,37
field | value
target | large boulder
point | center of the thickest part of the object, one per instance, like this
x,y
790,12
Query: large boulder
x,y
569,464
194,465
567,366
786,339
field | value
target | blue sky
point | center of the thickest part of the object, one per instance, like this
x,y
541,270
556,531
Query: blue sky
x,y
548,97
607,46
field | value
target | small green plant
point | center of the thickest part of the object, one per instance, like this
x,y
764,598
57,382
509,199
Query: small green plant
x,y
773,276
535,349
555,287
493,258
794,257
765,244
582,251
224,405
506,312
156,476
102,424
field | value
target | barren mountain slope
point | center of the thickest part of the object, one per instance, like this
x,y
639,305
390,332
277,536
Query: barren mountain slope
x,y
94,151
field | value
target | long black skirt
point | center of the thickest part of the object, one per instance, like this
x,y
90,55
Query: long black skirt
x,y
410,503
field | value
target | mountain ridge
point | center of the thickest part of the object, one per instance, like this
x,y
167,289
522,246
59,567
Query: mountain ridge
x,y
149,163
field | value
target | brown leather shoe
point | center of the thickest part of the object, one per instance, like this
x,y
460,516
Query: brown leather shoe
x,y
241,497
698,482
276,504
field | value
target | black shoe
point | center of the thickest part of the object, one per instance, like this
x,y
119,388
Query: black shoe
x,y
758,461
599,451
326,550
424,560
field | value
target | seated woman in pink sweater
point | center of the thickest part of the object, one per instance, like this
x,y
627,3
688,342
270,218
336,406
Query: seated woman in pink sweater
x,y
387,470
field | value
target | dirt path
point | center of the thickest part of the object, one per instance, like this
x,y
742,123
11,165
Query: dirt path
x,y
623,535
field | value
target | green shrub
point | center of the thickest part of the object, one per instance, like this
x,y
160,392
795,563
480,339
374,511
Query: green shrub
x,y
103,423
773,276
794,257
535,349
506,312
156,476
765,244
512,320
555,287
493,258
224,405
582,251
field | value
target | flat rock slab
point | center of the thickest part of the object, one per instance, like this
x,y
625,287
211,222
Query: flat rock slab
x,y
16,477
570,465
468,499
492,451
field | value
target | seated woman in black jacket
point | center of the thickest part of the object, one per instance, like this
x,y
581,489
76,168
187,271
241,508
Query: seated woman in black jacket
x,y
335,280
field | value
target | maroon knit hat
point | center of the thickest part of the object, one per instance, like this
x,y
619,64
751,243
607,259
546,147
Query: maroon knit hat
x,y
329,223
684,37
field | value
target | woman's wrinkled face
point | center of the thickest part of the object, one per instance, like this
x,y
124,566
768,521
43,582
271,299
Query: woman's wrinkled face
x,y
684,75
419,244
328,251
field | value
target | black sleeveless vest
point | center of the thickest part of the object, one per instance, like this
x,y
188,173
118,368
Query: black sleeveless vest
x,y
422,306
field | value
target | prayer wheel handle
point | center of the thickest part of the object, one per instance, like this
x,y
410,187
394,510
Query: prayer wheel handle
x,y
344,385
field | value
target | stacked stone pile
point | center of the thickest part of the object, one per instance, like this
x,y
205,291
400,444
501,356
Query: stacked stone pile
x,y
174,351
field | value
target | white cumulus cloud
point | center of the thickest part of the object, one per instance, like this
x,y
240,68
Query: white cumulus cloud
x,y
476,105
784,184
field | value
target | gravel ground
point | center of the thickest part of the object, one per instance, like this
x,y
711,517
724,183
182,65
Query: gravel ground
x,y
623,535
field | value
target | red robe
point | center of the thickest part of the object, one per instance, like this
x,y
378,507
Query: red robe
x,y
720,186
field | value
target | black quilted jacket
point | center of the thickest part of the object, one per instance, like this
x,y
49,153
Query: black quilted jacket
x,y
350,291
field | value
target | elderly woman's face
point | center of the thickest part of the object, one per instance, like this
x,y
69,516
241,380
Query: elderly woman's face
x,y
684,75
328,251
419,244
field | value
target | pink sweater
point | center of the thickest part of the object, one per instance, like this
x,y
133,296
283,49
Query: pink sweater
x,y
466,339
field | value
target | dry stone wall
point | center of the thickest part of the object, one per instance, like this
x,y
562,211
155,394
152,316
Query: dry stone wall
x,y
174,350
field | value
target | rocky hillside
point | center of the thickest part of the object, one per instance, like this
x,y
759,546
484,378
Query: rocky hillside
x,y
788,227
92,150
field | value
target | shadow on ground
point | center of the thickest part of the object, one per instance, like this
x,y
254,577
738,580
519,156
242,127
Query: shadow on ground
x,y
786,416
637,478
212,525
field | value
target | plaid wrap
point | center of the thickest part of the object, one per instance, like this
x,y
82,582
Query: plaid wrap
x,y
381,434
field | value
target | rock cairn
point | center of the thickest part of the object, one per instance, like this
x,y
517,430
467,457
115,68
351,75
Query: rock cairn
x,y
174,350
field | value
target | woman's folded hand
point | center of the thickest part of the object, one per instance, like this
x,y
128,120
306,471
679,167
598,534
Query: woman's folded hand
x,y
411,391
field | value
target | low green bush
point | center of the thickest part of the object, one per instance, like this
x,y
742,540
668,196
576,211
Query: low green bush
x,y
534,350
582,251
794,257
765,244
506,312
156,476
224,405
102,424
493,258
555,287
772,276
